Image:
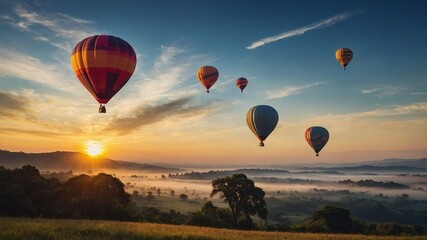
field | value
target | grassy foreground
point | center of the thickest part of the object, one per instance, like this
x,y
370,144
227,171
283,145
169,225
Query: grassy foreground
x,y
46,229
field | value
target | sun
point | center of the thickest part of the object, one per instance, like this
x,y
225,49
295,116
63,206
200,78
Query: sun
x,y
93,148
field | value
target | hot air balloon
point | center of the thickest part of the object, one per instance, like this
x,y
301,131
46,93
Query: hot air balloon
x,y
317,137
241,83
262,120
103,64
207,76
344,56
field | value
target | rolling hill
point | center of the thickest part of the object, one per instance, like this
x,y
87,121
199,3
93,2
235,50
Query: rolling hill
x,y
71,161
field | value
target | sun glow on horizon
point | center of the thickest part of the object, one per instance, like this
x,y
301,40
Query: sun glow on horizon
x,y
93,148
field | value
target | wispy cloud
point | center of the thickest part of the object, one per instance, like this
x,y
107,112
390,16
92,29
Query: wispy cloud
x,y
146,115
60,30
26,132
167,80
397,110
384,91
19,65
300,31
12,105
288,91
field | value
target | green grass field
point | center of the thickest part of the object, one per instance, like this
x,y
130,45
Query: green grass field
x,y
48,229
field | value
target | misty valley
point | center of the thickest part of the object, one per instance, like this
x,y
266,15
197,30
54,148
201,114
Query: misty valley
x,y
292,196
379,192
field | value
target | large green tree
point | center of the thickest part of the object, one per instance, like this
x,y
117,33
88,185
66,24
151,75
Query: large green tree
x,y
337,220
243,198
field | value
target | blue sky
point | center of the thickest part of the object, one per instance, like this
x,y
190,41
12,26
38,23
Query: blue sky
x,y
375,109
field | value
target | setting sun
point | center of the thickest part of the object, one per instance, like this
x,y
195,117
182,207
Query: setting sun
x,y
93,148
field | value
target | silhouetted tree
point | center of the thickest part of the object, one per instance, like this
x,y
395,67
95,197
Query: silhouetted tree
x,y
243,198
210,216
337,220
183,197
99,197
150,196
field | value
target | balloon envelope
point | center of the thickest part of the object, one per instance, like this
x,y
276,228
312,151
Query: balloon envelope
x,y
262,120
241,83
344,56
317,137
207,76
103,64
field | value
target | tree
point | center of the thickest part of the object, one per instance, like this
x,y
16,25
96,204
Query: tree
x,y
183,197
150,196
243,198
337,220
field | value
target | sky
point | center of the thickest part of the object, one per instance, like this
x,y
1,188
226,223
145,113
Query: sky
x,y
375,109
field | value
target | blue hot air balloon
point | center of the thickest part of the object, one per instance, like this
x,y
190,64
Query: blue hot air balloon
x,y
262,120
317,137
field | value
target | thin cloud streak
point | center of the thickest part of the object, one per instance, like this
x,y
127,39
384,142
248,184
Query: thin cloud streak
x,y
289,91
26,132
415,108
146,115
300,31
385,91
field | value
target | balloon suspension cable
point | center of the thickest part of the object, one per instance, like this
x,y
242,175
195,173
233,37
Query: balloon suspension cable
x,y
317,154
261,144
102,109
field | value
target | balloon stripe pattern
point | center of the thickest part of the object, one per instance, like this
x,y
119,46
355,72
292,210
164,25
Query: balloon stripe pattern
x,y
241,83
317,137
262,120
344,56
207,76
103,64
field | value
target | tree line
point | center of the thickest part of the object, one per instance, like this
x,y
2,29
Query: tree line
x,y
25,193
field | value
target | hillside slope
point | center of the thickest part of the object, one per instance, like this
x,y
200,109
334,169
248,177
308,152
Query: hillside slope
x,y
20,228
71,161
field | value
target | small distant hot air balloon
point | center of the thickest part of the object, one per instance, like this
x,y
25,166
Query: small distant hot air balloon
x,y
262,120
344,56
103,64
317,137
207,76
241,83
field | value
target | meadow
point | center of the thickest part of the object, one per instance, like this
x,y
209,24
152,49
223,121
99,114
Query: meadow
x,y
51,229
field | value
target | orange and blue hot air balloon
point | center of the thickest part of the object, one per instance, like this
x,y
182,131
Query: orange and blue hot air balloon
x,y
317,137
103,64
241,83
207,76
344,56
262,120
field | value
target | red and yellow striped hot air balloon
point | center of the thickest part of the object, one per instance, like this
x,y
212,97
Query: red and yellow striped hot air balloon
x,y
241,83
207,76
103,64
344,56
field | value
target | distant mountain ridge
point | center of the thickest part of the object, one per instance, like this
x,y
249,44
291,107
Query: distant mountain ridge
x,y
369,168
417,163
71,161
420,163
